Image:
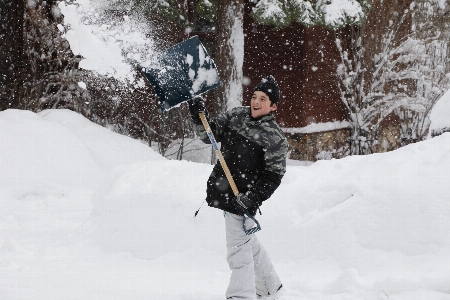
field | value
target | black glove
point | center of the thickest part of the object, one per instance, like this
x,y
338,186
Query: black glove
x,y
242,203
197,105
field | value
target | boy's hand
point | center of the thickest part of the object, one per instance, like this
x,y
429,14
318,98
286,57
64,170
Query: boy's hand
x,y
197,105
242,203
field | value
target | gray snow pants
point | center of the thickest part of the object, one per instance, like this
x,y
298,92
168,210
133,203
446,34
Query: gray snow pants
x,y
252,271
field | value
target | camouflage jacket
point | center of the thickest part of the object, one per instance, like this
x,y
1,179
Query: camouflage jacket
x,y
255,152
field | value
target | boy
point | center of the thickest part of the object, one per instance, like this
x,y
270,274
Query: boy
x,y
254,148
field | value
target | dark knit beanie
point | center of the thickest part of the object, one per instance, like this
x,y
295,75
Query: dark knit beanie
x,y
269,86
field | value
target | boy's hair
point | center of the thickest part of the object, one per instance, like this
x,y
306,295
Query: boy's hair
x,y
269,86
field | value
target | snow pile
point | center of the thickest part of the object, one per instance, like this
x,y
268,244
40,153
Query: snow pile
x,y
60,147
36,152
88,214
440,115
147,208
378,223
107,44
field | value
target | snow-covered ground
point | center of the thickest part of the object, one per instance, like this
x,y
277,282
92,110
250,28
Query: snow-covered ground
x,y
89,214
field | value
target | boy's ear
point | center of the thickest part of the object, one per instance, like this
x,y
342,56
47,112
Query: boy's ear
x,y
273,107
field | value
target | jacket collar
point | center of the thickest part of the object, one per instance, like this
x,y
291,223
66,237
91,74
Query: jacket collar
x,y
260,120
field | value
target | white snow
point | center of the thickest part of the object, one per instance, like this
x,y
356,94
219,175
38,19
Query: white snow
x,y
61,28
335,13
236,44
105,48
440,115
86,213
307,15
318,127
205,76
82,85
270,10
99,55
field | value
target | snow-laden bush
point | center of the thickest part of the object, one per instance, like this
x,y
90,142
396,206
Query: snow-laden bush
x,y
395,64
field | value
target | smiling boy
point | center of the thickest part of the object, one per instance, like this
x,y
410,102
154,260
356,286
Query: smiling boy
x,y
254,148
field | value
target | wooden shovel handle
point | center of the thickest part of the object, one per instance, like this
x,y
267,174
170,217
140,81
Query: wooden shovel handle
x,y
219,154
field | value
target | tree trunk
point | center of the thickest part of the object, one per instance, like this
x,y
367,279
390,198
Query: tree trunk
x,y
229,54
11,52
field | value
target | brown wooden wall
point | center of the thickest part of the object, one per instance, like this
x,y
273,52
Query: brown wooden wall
x,y
303,61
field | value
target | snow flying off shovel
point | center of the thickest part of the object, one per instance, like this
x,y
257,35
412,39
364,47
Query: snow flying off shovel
x,y
185,71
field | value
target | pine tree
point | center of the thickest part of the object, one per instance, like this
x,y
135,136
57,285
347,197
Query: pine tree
x,y
332,14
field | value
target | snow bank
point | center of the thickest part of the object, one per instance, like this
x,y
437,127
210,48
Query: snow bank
x,y
148,209
109,149
360,226
378,222
60,147
34,151
365,227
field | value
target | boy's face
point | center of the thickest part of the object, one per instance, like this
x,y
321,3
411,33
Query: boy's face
x,y
260,105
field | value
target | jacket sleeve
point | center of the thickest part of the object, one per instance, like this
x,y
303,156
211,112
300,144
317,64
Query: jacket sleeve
x,y
274,170
218,126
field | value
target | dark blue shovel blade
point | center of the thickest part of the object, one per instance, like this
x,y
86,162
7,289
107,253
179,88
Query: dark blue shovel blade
x,y
186,71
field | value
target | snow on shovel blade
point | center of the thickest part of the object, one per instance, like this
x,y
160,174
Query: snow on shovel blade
x,y
185,71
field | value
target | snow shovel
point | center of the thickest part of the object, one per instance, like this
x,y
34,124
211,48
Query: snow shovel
x,y
185,71
182,72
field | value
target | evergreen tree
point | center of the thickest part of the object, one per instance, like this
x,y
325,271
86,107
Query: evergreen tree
x,y
332,14
282,13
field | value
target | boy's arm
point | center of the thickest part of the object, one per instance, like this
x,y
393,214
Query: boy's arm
x,y
275,167
217,124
